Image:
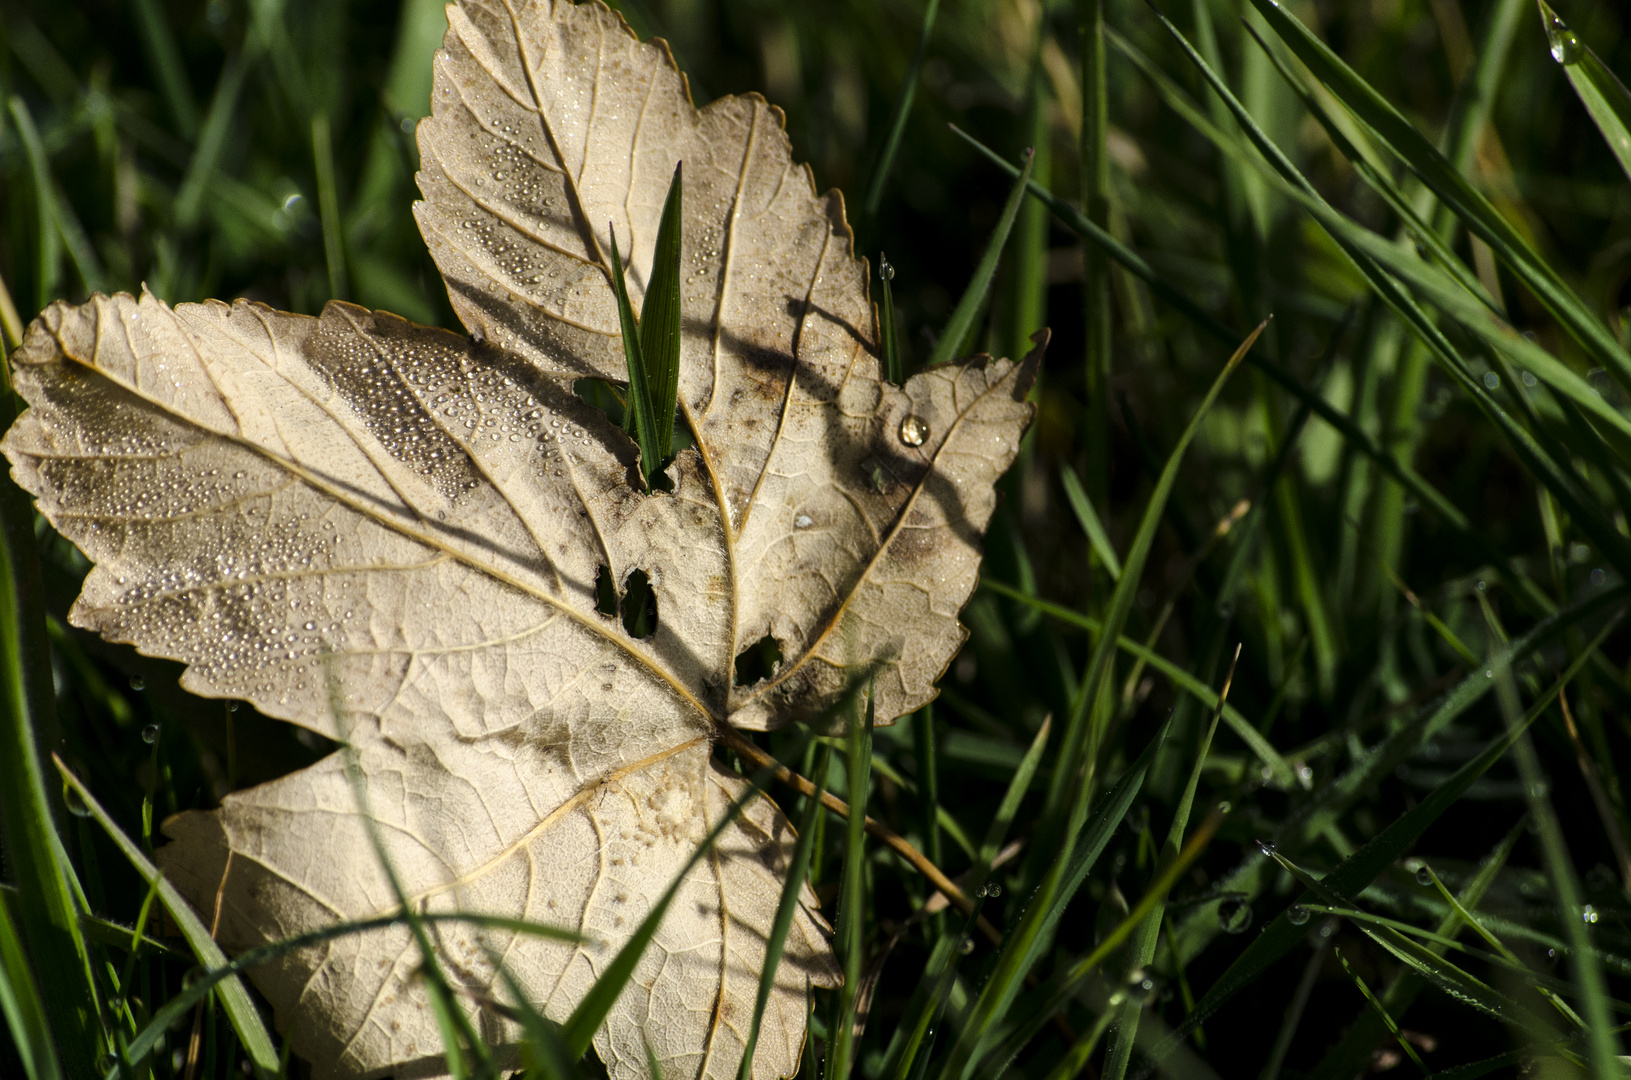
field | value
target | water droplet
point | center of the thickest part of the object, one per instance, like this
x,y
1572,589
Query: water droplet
x,y
1266,846
993,889
1492,381
913,431
802,521
138,683
75,802
1566,47
886,269
150,734
1225,806
1234,916
1588,914
1296,915
1424,875
967,945
1598,577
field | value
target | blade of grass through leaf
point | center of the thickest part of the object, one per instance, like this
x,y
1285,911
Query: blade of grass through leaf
x,y
1357,871
1119,1052
961,324
660,322
639,420
234,998
899,114
850,942
798,872
1457,192
887,331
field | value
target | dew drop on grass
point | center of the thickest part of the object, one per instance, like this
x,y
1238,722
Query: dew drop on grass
x,y
1266,846
1424,876
75,802
1588,914
1566,47
993,889
1234,916
138,683
150,734
967,945
1296,915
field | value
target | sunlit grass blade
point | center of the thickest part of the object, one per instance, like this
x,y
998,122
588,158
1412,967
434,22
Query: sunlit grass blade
x,y
234,997
1603,95
1079,745
850,941
888,333
798,872
1357,871
1142,949
1381,1011
1457,192
23,1008
660,321
639,419
899,115
1088,518
961,324
579,1029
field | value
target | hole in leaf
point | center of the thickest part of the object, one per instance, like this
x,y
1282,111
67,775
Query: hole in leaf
x,y
758,661
605,592
639,606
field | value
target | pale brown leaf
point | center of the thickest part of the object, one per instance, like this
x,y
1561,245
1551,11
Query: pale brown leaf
x,y
354,509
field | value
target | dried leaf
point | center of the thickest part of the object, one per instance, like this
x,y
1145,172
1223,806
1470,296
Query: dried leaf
x,y
411,523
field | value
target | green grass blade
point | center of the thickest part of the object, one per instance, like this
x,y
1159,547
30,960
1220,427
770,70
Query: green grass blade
x,y
1119,1052
1352,1054
1093,167
234,997
900,113
660,321
219,123
22,1006
850,942
1357,871
579,1029
1279,767
639,420
1591,988
798,872
1603,95
48,915
961,324
908,1056
888,332
171,1012
1089,520
1457,192
1381,1011
166,60
1079,746
47,237
328,205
